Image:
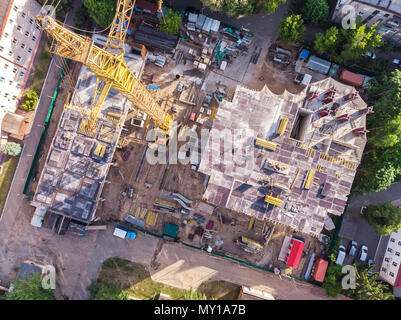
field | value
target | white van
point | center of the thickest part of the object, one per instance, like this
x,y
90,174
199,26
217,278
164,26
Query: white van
x,y
341,255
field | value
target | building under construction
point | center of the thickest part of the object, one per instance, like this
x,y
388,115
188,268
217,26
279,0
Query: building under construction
x,y
79,158
305,152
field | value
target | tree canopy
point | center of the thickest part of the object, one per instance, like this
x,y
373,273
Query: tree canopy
x,y
384,218
30,100
29,289
341,45
332,281
102,11
11,149
272,5
242,7
291,29
194,295
171,22
106,290
63,7
315,12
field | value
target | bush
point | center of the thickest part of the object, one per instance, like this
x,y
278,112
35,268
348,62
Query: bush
x,y
291,29
171,22
30,100
11,149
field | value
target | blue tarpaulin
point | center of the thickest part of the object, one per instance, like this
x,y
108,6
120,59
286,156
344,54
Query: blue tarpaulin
x,y
304,54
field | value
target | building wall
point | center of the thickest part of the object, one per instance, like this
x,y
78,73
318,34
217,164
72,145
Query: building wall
x,y
387,17
392,258
18,43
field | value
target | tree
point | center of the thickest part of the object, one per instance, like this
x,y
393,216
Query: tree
x,y
194,295
315,12
272,5
384,218
291,29
11,149
368,288
30,289
63,7
332,281
328,43
102,11
81,17
232,7
106,290
30,100
171,22
359,40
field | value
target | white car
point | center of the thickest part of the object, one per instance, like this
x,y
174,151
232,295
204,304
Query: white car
x,y
370,55
341,255
396,61
363,254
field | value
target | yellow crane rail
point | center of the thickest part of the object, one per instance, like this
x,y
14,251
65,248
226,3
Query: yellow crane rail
x,y
283,125
274,201
266,144
309,179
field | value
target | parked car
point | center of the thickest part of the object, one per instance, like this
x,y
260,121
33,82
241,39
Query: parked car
x,y
352,248
370,263
130,192
363,253
362,208
370,55
396,61
341,255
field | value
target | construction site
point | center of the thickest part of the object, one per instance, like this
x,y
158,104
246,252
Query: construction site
x,y
300,158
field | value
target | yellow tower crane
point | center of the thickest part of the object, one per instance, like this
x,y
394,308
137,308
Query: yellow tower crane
x,y
107,63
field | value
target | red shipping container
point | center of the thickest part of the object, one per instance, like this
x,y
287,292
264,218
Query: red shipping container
x,y
352,78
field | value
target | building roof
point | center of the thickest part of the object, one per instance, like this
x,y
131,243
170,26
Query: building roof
x,y
171,230
318,64
147,6
295,253
320,269
13,123
304,54
352,78
321,144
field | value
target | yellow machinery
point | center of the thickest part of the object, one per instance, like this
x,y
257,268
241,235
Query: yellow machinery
x,y
266,144
309,179
274,201
282,126
107,63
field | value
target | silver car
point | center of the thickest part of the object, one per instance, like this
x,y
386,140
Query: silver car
x,y
363,254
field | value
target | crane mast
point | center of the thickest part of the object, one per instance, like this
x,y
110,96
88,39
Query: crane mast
x,y
109,67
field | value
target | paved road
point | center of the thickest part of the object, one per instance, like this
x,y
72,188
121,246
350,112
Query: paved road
x,y
354,227
184,268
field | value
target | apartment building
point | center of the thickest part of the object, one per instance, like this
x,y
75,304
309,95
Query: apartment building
x,y
390,268
387,13
19,39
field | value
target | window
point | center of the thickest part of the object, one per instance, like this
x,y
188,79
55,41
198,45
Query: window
x,y
1,48
399,243
22,74
6,35
27,33
15,8
392,239
14,97
23,15
395,264
384,270
386,15
6,66
10,53
19,58
31,21
6,95
11,21
19,85
15,40
10,82
2,79
387,259
390,250
19,28
391,274
33,38
15,70
30,50
397,254
23,46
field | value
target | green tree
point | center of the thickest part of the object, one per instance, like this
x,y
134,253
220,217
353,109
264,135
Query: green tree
x,y
29,289
272,5
384,218
291,29
359,40
327,44
332,281
102,11
106,290
232,7
63,7
11,149
30,100
315,12
81,17
194,295
368,288
171,22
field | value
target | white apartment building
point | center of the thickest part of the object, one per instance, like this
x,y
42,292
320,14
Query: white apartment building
x,y
19,39
390,268
387,13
